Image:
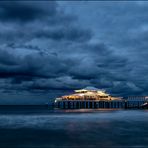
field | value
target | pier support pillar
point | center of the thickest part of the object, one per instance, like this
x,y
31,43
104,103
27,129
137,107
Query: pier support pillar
x,y
84,104
88,104
93,104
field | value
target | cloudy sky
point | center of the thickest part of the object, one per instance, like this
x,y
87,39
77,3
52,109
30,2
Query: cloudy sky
x,y
49,48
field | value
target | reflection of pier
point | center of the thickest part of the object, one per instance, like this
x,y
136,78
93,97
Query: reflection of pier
x,y
89,104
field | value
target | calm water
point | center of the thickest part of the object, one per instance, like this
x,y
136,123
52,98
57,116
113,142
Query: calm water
x,y
21,127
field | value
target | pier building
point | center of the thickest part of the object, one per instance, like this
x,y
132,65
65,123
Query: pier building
x,y
89,97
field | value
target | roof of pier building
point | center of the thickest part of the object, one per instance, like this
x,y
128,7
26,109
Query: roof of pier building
x,y
89,93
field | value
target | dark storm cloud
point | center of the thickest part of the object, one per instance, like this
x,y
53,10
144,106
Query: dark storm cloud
x,y
58,26
99,62
26,11
6,58
21,34
123,27
31,66
65,33
44,46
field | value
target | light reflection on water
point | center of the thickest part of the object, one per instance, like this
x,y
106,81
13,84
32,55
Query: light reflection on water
x,y
77,128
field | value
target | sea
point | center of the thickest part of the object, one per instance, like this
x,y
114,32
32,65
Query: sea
x,y
43,127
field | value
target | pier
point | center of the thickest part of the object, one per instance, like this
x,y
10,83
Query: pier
x,y
93,98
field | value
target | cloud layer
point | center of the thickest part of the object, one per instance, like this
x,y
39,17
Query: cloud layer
x,y
44,47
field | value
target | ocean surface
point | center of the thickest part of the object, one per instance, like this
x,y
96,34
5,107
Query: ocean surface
x,y
41,127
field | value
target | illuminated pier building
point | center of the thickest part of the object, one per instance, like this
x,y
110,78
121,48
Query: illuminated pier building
x,y
89,97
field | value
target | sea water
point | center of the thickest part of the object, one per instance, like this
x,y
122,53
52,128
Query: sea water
x,y
27,127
